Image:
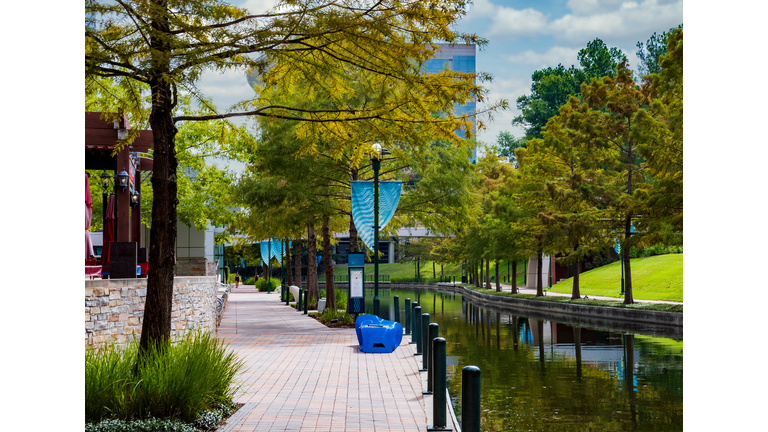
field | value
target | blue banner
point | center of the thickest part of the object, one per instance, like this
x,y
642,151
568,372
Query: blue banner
x,y
362,206
277,249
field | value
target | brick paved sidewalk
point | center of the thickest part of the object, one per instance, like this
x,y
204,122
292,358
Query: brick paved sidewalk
x,y
303,376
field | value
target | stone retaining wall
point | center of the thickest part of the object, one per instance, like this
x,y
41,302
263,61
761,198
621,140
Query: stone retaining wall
x,y
655,323
114,308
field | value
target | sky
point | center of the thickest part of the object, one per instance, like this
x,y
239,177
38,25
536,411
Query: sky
x,y
523,36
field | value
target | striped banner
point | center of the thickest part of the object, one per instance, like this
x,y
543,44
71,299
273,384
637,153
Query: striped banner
x,y
362,206
278,248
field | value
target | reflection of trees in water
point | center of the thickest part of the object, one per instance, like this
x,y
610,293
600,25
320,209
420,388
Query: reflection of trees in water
x,y
524,388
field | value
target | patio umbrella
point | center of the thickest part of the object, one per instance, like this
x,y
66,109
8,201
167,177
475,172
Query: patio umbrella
x,y
109,230
88,214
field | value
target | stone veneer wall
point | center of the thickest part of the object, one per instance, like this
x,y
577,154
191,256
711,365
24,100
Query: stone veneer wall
x,y
114,308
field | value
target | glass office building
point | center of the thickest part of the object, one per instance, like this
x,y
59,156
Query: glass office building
x,y
460,58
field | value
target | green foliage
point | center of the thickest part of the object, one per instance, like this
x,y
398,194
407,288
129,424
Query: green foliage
x,y
506,144
552,87
146,425
650,54
180,380
339,314
263,286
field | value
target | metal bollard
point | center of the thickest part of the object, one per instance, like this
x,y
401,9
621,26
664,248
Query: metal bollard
x,y
432,332
417,329
414,323
408,315
397,309
298,302
439,400
424,341
470,399
306,301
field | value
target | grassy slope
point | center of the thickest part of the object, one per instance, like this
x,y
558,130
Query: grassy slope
x,y
654,278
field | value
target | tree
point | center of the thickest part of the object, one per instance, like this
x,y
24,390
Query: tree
x,y
569,166
611,110
552,87
167,45
506,144
650,54
660,130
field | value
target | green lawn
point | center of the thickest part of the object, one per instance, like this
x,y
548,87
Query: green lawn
x,y
653,278
407,270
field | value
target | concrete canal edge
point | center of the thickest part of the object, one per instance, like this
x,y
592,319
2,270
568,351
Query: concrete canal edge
x,y
655,323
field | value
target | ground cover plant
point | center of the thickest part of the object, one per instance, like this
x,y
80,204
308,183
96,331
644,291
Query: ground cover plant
x,y
183,381
657,277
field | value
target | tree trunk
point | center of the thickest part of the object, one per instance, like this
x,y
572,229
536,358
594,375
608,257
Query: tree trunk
x,y
265,269
576,294
481,281
330,291
297,263
288,276
627,271
156,326
418,269
488,274
311,259
477,273
498,283
514,277
442,273
539,267
434,275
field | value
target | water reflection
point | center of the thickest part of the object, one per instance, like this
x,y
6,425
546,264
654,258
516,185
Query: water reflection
x,y
543,375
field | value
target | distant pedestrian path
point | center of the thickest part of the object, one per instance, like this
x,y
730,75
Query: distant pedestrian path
x,y
523,290
303,376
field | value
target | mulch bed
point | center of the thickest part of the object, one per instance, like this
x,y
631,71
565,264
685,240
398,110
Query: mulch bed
x,y
336,324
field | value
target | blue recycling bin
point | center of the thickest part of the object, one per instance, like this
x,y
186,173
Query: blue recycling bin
x,y
376,335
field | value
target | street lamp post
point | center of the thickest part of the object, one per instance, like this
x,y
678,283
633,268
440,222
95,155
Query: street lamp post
x,y
269,266
378,153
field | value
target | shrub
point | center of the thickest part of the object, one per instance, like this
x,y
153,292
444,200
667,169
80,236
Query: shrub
x,y
147,425
179,380
250,281
261,284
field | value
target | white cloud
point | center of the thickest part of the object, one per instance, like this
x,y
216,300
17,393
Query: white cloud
x,y
513,23
626,22
481,9
551,58
590,7
259,6
509,89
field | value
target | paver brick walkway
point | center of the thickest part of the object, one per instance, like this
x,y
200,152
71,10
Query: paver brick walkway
x,y
303,376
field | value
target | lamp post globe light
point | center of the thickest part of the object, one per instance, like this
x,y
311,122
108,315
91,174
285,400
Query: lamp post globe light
x,y
122,179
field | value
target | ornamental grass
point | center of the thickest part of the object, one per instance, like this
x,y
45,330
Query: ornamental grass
x,y
180,380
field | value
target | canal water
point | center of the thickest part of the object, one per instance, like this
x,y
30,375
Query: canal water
x,y
542,375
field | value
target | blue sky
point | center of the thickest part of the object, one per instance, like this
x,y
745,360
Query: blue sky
x,y
523,36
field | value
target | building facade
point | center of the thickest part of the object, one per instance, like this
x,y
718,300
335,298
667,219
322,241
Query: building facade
x,y
459,58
